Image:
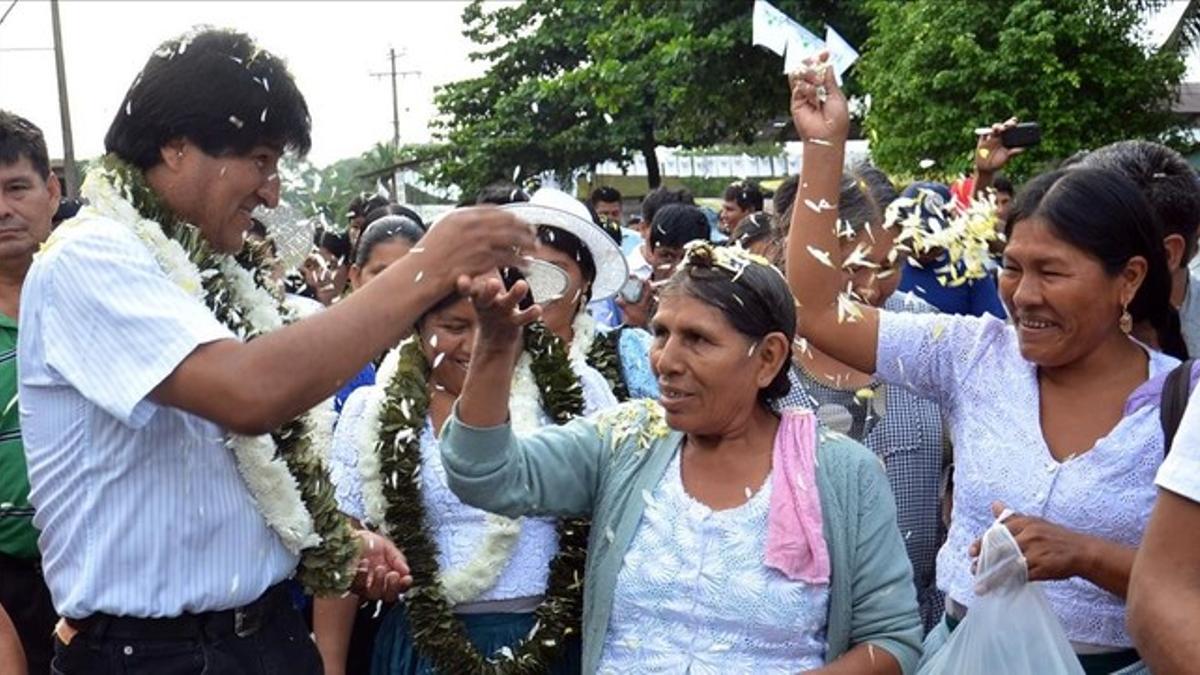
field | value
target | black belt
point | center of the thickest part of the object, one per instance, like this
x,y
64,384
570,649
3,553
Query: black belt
x,y
14,564
241,621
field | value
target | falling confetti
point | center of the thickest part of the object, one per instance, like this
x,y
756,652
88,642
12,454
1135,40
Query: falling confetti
x,y
233,119
821,256
420,275
847,309
820,206
263,117
608,118
926,163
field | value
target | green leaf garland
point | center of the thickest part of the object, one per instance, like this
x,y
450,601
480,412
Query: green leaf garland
x,y
325,569
437,633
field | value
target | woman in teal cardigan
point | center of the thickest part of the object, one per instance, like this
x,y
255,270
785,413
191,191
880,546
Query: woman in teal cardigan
x,y
725,537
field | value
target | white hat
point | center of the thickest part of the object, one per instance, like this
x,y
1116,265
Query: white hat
x,y
558,209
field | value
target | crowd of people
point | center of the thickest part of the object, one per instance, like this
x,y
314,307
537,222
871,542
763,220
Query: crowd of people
x,y
542,435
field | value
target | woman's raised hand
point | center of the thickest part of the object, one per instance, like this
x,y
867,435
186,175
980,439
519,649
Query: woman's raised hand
x,y
500,315
819,108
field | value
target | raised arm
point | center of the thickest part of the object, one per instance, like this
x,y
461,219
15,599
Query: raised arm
x,y
814,261
552,472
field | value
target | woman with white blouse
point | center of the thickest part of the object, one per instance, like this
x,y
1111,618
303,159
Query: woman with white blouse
x,y
494,575
1055,416
726,537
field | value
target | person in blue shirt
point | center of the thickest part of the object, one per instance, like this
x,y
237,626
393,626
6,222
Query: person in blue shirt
x,y
920,276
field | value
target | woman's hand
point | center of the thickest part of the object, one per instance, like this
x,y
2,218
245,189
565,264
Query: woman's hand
x,y
1051,551
638,314
382,572
819,108
485,394
500,317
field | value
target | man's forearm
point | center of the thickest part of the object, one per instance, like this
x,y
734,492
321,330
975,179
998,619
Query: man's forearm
x,y
255,387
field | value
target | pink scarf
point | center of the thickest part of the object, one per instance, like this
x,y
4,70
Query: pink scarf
x,y
795,544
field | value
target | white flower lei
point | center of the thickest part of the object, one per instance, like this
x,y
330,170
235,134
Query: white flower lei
x,y
499,542
264,472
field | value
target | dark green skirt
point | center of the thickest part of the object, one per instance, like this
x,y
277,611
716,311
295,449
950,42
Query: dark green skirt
x,y
396,654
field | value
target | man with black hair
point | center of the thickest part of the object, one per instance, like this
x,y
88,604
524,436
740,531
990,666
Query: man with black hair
x,y
639,260
356,214
740,200
606,200
1172,188
500,193
674,227
174,464
29,197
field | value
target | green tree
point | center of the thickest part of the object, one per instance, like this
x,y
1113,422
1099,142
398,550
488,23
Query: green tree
x,y
937,69
572,83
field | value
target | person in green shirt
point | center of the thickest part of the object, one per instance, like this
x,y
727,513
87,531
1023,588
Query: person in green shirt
x,y
29,195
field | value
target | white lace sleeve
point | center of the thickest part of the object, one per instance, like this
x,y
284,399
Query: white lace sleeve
x,y
343,457
931,354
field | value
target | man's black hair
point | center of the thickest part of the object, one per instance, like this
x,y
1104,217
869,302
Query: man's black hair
x,y
215,88
365,203
660,197
258,228
747,194
1166,180
605,193
1002,184
21,138
677,224
336,243
501,193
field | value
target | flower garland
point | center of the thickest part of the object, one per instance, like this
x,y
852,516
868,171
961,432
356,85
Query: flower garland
x,y
462,584
284,470
439,636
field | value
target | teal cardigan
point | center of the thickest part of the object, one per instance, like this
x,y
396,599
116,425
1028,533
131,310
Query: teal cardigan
x,y
601,468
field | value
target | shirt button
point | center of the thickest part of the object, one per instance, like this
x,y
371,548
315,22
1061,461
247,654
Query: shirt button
x,y
128,650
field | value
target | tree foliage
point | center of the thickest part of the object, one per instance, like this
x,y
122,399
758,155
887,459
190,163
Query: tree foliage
x,y
937,69
572,83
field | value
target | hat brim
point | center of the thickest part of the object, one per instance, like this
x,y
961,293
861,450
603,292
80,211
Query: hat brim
x,y
611,268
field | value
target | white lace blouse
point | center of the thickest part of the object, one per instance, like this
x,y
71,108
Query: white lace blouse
x,y
973,368
693,594
456,528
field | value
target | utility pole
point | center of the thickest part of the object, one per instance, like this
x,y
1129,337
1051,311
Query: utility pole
x,y
64,108
393,73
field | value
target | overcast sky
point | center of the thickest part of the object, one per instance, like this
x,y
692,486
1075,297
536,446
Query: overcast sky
x,y
331,47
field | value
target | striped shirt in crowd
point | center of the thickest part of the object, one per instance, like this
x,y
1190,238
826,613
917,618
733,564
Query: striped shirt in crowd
x,y
141,507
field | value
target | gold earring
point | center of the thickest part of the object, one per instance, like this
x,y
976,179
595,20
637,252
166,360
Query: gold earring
x,y
1126,322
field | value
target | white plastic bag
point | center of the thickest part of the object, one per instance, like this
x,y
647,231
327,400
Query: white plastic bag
x,y
1010,629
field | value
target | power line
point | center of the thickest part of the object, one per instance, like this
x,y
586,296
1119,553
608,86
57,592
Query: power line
x,y
7,11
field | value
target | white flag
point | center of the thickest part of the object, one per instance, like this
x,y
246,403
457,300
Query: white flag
x,y
770,27
801,45
841,54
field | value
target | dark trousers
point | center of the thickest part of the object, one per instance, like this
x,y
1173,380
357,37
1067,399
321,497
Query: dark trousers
x,y
24,595
278,644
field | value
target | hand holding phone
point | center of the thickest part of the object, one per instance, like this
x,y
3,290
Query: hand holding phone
x,y
999,143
